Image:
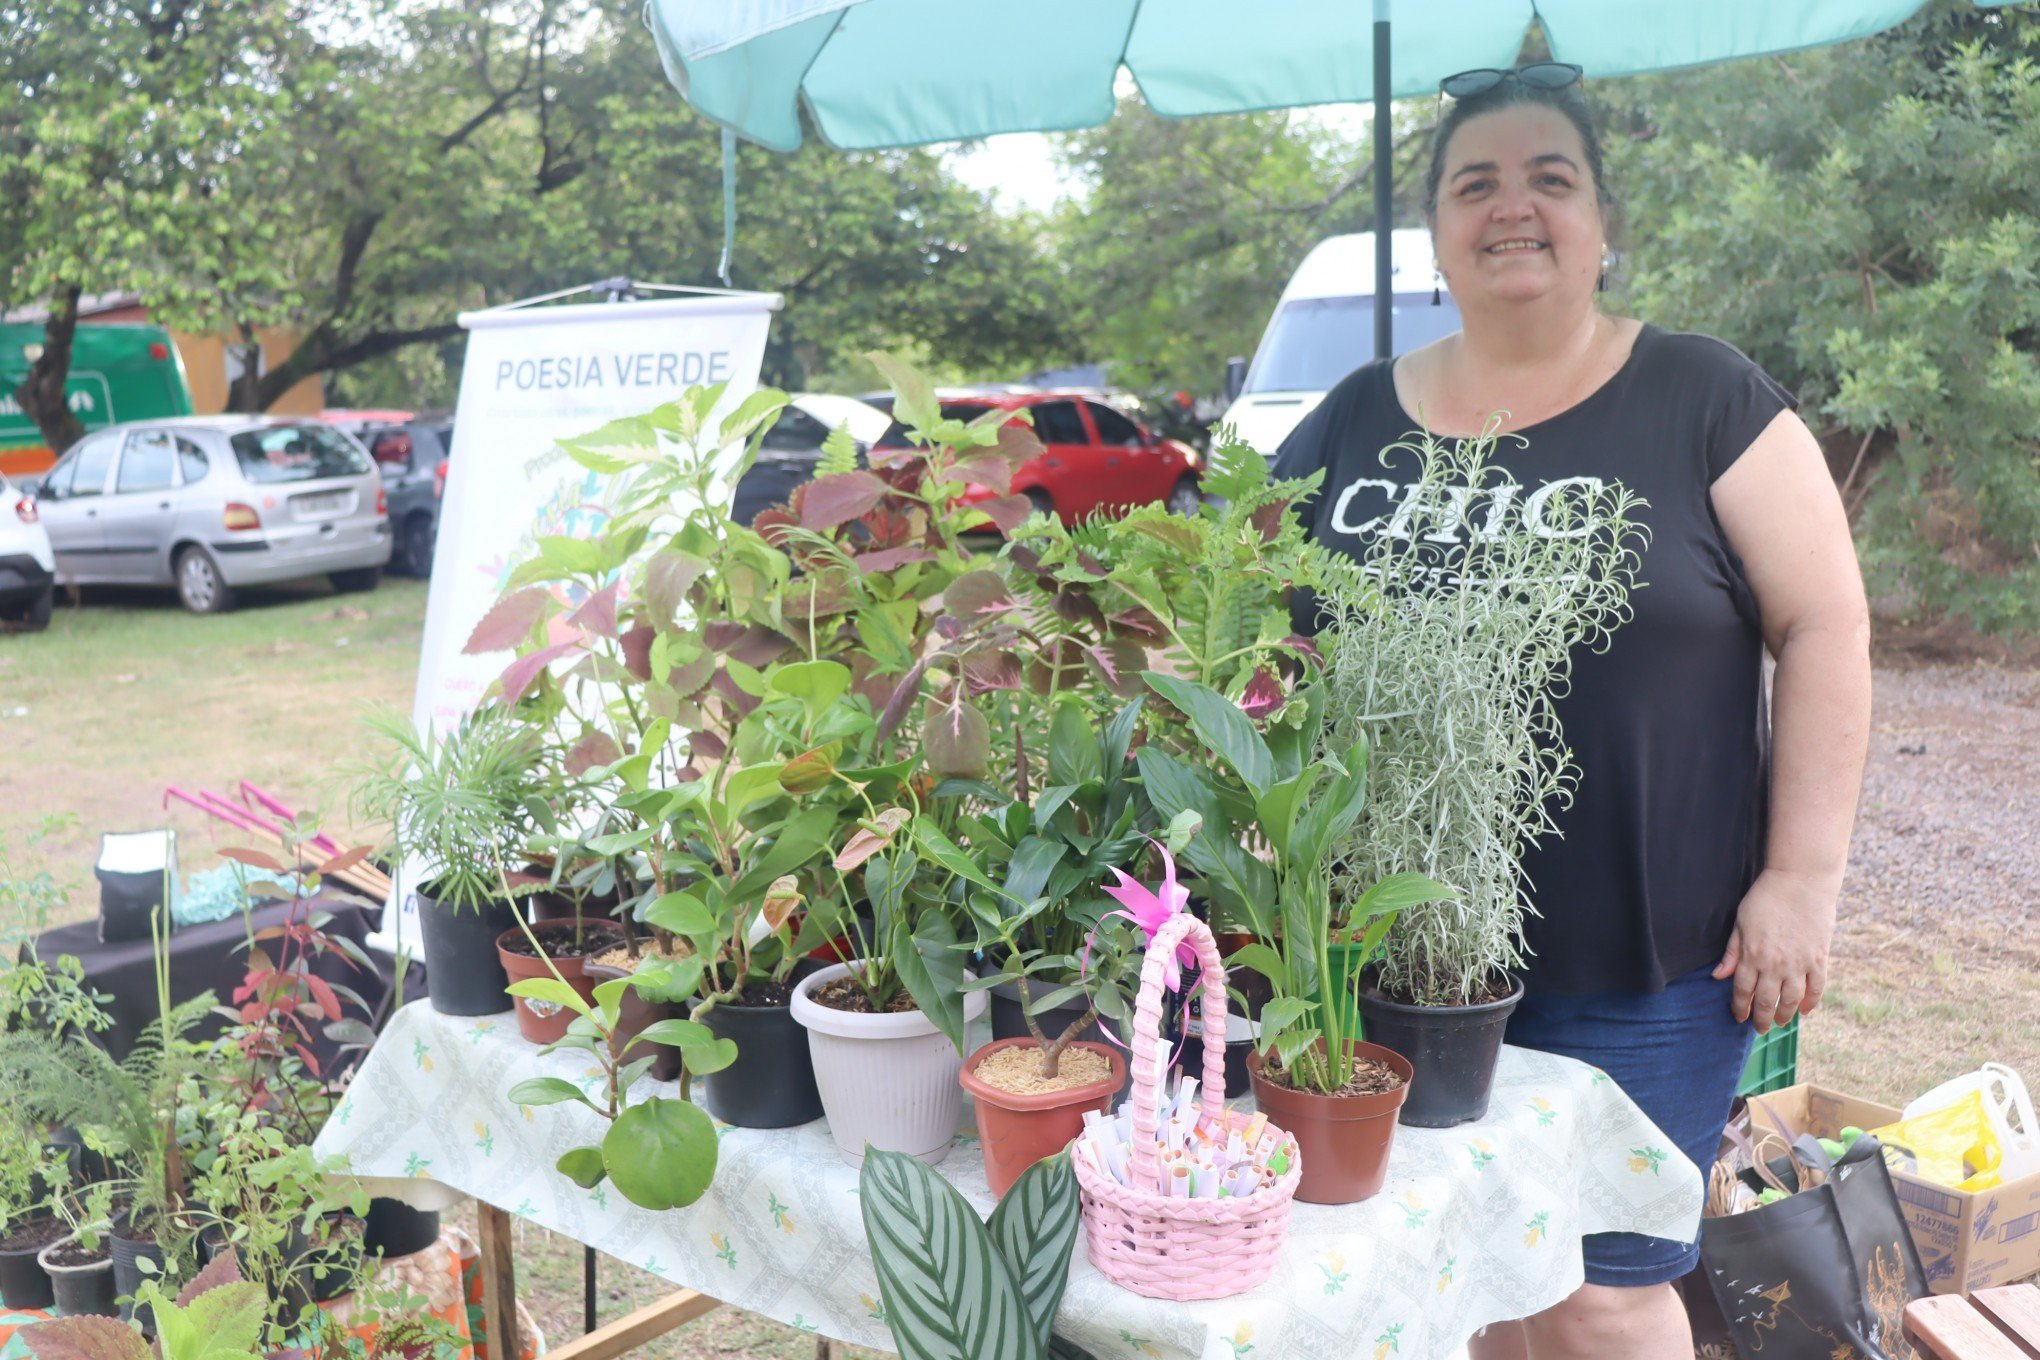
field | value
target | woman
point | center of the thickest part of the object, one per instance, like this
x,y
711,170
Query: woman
x,y
1692,895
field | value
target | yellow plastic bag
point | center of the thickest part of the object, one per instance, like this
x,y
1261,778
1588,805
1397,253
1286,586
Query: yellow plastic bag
x,y
1956,1145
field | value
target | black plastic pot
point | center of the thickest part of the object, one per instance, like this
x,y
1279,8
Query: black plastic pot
x,y
23,1281
327,1271
80,1291
128,1255
463,974
771,1085
1239,1042
396,1229
1452,1048
87,1167
1009,1017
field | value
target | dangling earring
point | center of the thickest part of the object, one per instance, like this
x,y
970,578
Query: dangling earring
x,y
1607,263
1437,279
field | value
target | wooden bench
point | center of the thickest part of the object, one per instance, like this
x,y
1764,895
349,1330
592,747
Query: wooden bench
x,y
1991,1324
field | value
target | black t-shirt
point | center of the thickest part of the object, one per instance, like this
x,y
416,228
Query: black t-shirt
x,y
1668,725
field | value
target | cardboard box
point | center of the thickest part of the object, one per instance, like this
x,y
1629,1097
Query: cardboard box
x,y
1967,1240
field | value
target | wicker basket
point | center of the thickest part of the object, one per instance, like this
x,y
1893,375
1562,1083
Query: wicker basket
x,y
1165,1248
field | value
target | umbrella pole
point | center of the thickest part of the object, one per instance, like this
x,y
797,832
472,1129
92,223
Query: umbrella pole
x,y
1384,192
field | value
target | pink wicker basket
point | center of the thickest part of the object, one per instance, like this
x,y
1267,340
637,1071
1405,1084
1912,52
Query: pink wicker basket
x,y
1165,1248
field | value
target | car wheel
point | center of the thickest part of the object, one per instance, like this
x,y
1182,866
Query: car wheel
x,y
39,609
415,549
1185,497
199,583
1041,500
360,579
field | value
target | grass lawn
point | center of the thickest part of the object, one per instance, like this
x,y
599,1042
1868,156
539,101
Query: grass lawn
x,y
129,694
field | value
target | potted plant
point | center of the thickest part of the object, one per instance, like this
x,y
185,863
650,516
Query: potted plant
x,y
1283,789
218,1316
461,803
80,1264
1450,683
971,1290
32,1174
660,1152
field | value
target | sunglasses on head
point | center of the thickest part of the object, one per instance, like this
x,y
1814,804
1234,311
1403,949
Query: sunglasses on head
x,y
1538,75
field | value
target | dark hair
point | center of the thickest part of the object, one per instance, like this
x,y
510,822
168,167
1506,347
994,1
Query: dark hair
x,y
1510,94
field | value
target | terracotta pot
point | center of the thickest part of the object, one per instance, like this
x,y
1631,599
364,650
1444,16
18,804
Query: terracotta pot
x,y
545,1022
1344,1141
634,1015
1015,1131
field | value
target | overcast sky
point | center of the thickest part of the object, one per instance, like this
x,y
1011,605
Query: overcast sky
x,y
1019,171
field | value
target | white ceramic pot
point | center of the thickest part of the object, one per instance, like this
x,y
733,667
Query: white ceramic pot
x,y
886,1080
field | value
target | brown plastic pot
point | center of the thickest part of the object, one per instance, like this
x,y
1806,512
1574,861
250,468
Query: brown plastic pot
x,y
1344,1141
545,1022
634,1015
1016,1131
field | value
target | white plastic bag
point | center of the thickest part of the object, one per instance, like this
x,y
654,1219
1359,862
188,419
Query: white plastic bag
x,y
2008,1106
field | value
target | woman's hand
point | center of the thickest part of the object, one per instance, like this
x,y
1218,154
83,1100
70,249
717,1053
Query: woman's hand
x,y
1778,954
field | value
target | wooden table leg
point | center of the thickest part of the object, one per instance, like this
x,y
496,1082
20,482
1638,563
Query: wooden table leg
x,y
499,1281
826,1349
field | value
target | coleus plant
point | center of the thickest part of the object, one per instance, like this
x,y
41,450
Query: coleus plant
x,y
217,1316
1203,596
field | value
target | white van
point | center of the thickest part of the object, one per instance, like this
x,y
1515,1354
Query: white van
x,y
1323,329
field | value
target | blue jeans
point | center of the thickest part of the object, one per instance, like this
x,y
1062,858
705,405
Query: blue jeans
x,y
1679,1055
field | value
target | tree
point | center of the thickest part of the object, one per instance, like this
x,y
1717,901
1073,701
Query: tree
x,y
1867,226
123,125
1189,227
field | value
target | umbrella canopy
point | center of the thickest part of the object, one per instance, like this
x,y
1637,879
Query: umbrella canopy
x,y
884,73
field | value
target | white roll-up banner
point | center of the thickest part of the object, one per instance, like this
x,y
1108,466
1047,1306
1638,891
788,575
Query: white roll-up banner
x,y
534,376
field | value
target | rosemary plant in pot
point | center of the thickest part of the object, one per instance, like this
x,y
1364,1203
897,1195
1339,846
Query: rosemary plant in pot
x,y
459,803
1443,654
1273,782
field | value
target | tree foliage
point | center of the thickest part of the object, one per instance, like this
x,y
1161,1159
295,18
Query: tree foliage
x,y
1865,221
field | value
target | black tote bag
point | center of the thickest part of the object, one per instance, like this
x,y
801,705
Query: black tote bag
x,y
1823,1274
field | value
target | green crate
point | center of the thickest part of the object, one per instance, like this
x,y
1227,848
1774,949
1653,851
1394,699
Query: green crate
x,y
1774,1061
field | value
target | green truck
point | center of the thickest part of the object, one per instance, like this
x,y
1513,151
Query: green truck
x,y
118,372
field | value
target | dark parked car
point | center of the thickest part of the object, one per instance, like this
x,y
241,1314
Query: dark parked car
x,y
791,448
411,453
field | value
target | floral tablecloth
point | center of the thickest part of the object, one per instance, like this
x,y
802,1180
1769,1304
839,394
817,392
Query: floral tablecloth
x,y
1476,1224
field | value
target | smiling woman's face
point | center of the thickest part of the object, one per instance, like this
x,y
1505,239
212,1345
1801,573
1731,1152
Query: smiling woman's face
x,y
1519,217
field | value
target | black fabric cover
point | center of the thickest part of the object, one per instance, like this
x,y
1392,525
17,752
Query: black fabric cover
x,y
212,955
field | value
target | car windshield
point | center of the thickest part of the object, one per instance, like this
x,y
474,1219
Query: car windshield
x,y
1314,342
895,436
297,453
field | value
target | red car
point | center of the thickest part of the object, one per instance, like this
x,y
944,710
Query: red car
x,y
1096,458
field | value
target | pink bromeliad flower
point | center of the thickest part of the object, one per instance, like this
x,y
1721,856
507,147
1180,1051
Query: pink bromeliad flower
x,y
1150,910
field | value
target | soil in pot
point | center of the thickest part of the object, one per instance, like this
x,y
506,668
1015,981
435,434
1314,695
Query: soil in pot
x,y
1024,1115
81,1281
570,948
463,970
23,1281
771,1085
1344,1139
845,995
1453,1050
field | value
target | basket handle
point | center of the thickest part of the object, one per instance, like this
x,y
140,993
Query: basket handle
x,y
1147,1038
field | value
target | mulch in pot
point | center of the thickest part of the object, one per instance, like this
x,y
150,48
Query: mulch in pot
x,y
1369,1078
845,995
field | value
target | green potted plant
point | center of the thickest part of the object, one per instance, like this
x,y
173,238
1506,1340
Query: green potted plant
x,y
660,1151
80,1264
1276,785
956,1287
1450,684
461,803
32,1174
218,1316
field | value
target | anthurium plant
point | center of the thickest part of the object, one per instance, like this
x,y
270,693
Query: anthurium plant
x,y
1273,784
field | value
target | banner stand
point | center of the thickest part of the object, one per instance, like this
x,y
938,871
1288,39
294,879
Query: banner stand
x,y
537,371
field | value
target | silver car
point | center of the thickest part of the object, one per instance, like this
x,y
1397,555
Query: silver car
x,y
212,503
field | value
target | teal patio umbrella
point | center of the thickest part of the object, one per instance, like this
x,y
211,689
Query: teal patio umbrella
x,y
891,73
